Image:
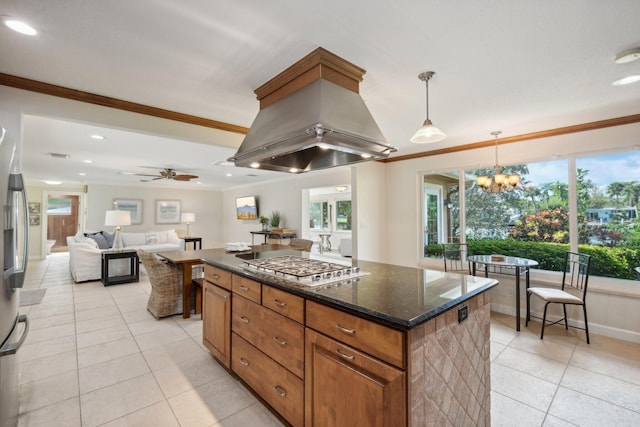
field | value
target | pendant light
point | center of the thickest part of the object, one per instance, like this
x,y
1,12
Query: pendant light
x,y
428,132
499,182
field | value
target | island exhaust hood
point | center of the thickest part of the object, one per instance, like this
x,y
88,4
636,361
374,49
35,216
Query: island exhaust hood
x,y
312,117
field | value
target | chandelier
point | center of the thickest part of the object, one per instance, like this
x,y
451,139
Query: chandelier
x,y
500,182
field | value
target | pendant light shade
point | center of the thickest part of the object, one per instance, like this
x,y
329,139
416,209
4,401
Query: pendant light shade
x,y
427,132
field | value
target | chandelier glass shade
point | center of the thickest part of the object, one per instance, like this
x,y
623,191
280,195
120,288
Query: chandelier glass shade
x,y
427,132
499,182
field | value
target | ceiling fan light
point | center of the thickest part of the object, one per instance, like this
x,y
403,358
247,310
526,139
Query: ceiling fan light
x,y
428,133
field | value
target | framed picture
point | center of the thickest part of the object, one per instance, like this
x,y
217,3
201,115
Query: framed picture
x,y
167,211
132,205
34,219
34,207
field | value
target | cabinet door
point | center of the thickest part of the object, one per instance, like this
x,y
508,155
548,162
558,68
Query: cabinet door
x,y
345,387
216,322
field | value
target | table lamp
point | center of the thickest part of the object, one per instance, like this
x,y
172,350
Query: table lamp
x,y
117,219
188,217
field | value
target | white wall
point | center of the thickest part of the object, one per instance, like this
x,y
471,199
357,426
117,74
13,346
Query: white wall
x,y
284,196
370,211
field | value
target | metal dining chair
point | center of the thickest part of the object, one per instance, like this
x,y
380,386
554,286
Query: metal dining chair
x,y
455,257
575,278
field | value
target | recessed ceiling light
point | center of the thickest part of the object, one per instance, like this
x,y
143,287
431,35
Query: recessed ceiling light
x,y
52,182
627,80
82,174
88,161
20,27
229,174
96,136
127,173
628,56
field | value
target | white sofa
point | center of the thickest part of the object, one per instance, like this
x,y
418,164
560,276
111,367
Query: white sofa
x,y
85,257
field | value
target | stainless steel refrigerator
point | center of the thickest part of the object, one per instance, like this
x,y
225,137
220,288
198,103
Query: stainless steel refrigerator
x,y
13,256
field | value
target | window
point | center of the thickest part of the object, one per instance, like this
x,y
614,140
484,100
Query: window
x,y
343,215
440,218
548,215
58,206
319,215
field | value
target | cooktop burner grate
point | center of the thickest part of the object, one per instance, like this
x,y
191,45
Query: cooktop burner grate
x,y
303,270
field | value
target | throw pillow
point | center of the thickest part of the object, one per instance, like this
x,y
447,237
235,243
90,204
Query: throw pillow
x,y
152,238
134,239
99,238
109,237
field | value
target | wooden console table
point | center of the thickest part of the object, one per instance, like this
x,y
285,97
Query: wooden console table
x,y
271,235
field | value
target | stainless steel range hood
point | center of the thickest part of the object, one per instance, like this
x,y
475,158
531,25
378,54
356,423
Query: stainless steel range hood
x,y
318,126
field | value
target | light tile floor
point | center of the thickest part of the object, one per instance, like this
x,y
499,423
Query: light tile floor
x,y
95,357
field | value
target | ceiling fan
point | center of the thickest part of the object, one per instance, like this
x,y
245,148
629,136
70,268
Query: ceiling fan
x,y
169,173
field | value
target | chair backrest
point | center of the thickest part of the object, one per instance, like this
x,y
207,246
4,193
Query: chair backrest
x,y
303,244
455,257
157,270
576,271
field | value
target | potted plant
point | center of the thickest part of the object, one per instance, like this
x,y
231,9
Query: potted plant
x,y
275,220
265,222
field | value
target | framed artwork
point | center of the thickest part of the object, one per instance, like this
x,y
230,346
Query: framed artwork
x,y
34,219
34,207
167,211
132,205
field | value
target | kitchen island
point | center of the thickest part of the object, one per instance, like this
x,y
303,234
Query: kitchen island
x,y
388,346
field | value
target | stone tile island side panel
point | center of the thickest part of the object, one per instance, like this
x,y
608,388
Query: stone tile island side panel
x,y
448,375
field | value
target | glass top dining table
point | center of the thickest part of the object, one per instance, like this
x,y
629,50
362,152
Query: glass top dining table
x,y
518,265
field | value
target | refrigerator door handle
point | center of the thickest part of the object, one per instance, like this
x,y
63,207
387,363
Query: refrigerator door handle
x,y
16,184
13,348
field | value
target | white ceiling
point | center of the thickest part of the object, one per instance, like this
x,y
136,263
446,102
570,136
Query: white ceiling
x,y
518,66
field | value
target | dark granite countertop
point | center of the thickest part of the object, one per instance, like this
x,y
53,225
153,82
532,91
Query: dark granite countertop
x,y
400,297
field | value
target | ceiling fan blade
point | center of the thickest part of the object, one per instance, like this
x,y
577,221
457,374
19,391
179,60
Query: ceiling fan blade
x,y
185,177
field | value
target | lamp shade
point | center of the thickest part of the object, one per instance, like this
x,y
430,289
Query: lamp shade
x,y
428,133
117,218
188,217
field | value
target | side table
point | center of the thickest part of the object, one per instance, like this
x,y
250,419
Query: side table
x,y
193,240
134,267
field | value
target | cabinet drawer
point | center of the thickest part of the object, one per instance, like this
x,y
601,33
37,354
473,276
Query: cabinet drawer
x,y
289,305
279,337
279,387
247,288
218,276
377,340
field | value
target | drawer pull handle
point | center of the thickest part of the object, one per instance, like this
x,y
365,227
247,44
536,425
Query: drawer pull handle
x,y
344,356
345,330
244,319
244,361
215,276
244,288
282,392
280,341
220,297
279,303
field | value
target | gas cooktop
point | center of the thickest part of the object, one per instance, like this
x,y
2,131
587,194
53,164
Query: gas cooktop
x,y
304,271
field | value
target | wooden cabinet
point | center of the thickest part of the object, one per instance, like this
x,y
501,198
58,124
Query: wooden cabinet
x,y
283,390
346,387
280,338
216,322
379,341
